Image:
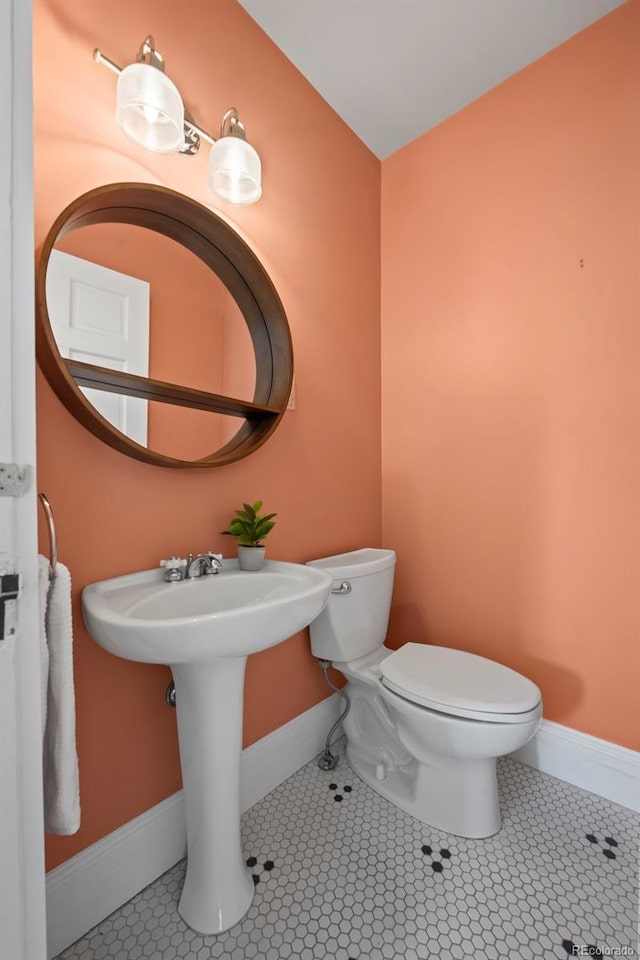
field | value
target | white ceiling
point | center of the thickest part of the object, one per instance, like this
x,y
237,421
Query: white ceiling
x,y
394,68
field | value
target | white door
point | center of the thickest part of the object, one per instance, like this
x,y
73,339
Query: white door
x,y
101,316
22,899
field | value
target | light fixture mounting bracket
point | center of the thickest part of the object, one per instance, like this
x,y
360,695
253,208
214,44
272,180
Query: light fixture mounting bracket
x,y
148,54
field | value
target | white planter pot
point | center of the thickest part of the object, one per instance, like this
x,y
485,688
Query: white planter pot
x,y
250,558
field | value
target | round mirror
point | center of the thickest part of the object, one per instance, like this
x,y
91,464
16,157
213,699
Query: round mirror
x,y
159,329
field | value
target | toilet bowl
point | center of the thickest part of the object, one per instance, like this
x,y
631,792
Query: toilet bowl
x,y
426,723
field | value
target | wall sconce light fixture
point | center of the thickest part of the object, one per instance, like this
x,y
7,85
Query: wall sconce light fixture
x,y
151,112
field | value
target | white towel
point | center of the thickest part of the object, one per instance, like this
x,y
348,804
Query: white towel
x,y
43,596
60,766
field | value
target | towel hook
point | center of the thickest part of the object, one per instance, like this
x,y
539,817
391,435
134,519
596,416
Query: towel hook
x,y
53,538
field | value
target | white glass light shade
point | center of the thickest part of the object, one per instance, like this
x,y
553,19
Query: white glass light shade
x,y
150,109
235,172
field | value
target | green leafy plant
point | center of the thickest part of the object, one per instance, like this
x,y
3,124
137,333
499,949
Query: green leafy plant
x,y
249,527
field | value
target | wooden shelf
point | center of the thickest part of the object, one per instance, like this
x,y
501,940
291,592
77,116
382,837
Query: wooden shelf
x,y
131,385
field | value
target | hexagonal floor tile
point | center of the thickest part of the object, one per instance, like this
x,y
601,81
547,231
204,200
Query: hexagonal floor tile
x,y
341,873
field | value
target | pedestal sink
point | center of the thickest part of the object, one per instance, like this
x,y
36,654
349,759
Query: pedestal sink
x,y
204,630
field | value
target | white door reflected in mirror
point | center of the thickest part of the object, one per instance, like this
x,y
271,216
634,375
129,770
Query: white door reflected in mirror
x,y
101,316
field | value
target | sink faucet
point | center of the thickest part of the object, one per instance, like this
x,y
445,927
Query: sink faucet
x,y
202,564
177,569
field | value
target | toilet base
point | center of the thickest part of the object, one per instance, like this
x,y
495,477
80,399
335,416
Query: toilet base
x,y
439,768
459,797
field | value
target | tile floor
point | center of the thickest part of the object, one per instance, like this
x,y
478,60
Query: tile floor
x,y
340,873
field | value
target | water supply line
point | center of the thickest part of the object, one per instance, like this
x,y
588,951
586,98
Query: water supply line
x,y
327,760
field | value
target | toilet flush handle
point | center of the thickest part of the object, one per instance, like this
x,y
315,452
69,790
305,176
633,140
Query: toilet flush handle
x,y
343,588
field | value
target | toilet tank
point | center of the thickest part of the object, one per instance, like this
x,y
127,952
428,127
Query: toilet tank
x,y
354,622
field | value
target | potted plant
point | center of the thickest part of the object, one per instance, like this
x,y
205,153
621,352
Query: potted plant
x,y
250,529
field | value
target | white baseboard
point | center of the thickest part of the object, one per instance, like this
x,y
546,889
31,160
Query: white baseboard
x,y
98,880
94,883
596,765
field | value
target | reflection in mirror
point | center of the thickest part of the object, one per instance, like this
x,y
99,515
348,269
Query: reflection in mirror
x,y
190,346
131,299
188,434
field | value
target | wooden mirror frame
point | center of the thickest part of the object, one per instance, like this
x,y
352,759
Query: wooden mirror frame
x,y
228,256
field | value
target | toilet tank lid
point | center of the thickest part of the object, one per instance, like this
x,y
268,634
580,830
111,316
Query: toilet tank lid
x,y
357,563
441,678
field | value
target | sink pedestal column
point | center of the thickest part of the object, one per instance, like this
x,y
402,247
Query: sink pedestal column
x,y
217,889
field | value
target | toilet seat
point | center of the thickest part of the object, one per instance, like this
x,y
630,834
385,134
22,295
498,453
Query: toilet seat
x,y
459,684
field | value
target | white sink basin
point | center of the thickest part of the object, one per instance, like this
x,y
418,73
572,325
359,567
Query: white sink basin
x,y
204,629
232,613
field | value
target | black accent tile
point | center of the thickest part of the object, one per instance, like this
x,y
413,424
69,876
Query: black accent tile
x,y
256,879
436,866
347,789
333,786
609,854
569,947
269,865
426,850
590,837
338,797
445,854
611,841
251,862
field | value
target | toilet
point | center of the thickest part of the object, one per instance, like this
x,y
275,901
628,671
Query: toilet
x,y
426,723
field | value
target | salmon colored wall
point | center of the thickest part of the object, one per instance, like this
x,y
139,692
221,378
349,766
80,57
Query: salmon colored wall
x,y
316,230
510,378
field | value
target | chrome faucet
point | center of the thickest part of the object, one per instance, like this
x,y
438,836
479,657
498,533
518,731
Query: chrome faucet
x,y
202,564
176,569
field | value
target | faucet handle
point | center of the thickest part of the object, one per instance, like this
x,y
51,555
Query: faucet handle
x,y
174,568
216,560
